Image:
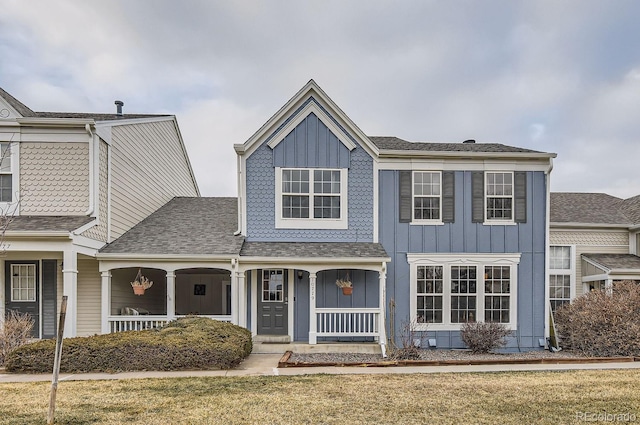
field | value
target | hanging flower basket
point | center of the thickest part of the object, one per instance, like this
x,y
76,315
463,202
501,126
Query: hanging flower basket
x,y
345,284
141,284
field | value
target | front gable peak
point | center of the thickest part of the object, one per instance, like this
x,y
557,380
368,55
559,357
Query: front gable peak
x,y
311,99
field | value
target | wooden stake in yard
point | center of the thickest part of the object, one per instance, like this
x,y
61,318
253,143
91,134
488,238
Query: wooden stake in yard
x,y
56,362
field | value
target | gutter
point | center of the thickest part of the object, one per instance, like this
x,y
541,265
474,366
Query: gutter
x,y
460,154
593,225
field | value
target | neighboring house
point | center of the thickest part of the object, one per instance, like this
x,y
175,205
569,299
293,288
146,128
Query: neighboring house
x,y
69,184
450,232
594,242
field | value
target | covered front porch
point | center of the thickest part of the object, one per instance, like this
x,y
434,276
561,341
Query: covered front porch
x,y
294,297
601,271
178,290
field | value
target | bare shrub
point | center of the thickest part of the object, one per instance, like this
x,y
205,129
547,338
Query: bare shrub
x,y
410,342
601,323
482,337
15,331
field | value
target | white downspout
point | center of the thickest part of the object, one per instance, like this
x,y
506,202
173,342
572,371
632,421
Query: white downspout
x,y
546,251
239,167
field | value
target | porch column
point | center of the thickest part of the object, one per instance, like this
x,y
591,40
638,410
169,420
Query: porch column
x,y
70,289
105,301
171,295
382,278
313,326
242,300
234,298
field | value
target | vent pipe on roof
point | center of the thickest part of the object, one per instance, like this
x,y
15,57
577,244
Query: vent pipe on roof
x,y
469,141
119,105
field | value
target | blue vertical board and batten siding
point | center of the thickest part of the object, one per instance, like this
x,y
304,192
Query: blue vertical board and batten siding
x,y
462,236
310,145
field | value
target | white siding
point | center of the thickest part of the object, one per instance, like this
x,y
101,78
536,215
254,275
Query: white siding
x,y
590,242
89,292
54,178
149,167
99,232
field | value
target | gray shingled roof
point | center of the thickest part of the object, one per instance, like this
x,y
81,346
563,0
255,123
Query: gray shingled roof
x,y
184,226
395,143
26,112
615,261
587,208
313,249
631,208
47,223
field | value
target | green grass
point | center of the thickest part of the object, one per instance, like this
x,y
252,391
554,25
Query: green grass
x,y
508,398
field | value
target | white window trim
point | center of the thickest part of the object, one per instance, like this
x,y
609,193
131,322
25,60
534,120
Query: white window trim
x,y
571,271
312,223
11,208
414,220
447,260
262,280
492,221
35,286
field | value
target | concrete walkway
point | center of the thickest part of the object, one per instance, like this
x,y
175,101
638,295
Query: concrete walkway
x,y
267,364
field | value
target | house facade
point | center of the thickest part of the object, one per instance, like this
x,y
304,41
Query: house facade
x,y
433,234
593,242
70,183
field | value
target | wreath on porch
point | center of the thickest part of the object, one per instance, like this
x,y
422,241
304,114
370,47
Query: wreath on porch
x,y
141,284
345,284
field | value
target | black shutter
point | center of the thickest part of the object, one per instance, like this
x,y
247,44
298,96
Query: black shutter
x,y
448,196
49,299
477,195
520,197
406,208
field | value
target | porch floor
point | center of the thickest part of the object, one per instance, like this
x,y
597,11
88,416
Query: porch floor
x,y
320,347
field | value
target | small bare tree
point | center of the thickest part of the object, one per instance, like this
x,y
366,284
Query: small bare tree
x,y
15,330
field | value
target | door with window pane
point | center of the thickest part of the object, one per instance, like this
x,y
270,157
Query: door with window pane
x,y
272,302
22,292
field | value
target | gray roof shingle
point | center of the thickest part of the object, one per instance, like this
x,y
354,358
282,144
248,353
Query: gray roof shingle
x,y
395,143
615,261
47,223
313,249
184,226
587,208
26,112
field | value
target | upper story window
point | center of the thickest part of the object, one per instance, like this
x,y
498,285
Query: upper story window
x,y
499,196
6,178
426,195
311,198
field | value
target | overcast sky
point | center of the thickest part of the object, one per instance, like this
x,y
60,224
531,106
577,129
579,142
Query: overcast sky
x,y
556,76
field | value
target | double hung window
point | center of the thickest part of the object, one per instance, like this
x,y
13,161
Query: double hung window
x,y
560,275
499,196
427,195
311,198
447,292
6,178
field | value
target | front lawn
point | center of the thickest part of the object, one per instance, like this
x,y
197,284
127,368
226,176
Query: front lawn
x,y
507,398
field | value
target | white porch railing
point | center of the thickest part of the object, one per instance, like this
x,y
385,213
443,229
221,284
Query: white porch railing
x,y
348,322
140,323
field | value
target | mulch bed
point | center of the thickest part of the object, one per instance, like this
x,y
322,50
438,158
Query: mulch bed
x,y
441,358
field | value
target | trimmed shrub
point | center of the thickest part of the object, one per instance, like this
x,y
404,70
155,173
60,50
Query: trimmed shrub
x,y
482,337
602,324
15,331
189,343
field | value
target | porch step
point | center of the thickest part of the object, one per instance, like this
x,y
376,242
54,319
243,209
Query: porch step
x,y
298,347
272,339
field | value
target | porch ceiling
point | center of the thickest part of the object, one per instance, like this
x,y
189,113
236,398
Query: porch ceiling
x,y
362,250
